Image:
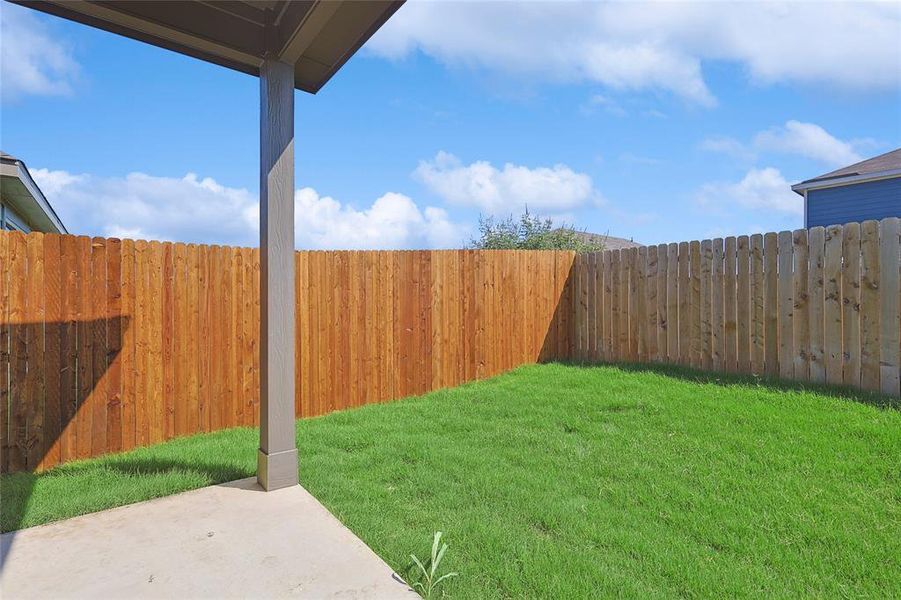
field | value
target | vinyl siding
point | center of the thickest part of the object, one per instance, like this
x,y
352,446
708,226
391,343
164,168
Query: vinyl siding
x,y
856,202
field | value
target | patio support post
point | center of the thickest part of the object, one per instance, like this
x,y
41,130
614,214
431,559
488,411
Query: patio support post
x,y
277,458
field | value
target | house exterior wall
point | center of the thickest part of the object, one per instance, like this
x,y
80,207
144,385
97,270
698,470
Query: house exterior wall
x,y
10,221
854,203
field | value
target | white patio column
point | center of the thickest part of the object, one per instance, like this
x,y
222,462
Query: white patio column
x,y
277,459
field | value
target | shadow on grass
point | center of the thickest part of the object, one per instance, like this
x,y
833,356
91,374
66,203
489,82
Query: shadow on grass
x,y
17,488
728,379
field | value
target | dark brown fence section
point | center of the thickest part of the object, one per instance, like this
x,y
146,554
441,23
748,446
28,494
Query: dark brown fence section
x,y
107,344
818,305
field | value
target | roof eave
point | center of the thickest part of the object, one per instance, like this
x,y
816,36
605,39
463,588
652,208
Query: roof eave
x,y
816,184
318,25
24,176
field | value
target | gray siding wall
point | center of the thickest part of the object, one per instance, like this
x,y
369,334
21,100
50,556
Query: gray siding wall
x,y
857,202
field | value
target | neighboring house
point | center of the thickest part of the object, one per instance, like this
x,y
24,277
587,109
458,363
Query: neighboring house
x,y
608,241
866,190
23,206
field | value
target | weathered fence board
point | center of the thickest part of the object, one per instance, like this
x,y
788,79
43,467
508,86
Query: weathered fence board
x,y
890,295
869,305
771,305
819,305
816,303
758,294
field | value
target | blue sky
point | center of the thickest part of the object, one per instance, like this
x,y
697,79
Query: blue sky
x,y
660,122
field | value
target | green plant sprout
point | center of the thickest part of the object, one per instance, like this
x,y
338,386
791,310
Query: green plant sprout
x,y
428,582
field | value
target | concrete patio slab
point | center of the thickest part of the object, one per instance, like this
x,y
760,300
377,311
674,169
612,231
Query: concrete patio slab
x,y
225,541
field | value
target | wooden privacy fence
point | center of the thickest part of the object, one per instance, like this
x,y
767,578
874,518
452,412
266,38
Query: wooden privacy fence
x,y
107,344
818,305
111,344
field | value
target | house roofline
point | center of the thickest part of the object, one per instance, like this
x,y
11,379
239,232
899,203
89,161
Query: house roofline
x,y
816,184
16,168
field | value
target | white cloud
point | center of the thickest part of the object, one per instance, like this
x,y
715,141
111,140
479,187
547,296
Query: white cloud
x,y
808,140
760,189
191,209
145,206
506,190
392,222
33,59
659,46
802,139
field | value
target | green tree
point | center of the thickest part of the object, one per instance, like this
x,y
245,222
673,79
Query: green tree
x,y
529,232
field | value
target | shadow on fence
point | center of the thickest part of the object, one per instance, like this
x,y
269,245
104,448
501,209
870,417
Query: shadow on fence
x,y
557,344
69,367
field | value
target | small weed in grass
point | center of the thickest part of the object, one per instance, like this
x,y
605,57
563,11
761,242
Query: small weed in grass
x,y
428,577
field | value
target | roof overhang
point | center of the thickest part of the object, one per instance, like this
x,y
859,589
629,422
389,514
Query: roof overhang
x,y
816,184
316,36
19,191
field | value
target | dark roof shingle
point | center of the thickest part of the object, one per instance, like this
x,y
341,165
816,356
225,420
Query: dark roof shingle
x,y
889,161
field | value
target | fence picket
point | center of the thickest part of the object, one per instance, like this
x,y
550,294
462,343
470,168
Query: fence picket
x,y
113,319
652,323
706,303
890,293
684,302
591,298
815,292
717,311
870,305
757,305
786,305
800,308
743,306
632,310
662,316
4,352
640,316
672,303
17,267
730,314
771,305
127,353
33,438
622,300
141,324
694,304
832,309
53,360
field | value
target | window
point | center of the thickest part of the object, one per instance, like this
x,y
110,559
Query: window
x,y
10,221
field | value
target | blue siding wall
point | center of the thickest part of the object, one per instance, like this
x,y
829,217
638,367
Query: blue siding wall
x,y
857,202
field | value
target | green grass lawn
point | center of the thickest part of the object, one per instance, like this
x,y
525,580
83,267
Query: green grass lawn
x,y
561,481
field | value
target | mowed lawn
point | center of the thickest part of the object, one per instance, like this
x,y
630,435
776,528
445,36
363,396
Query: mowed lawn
x,y
559,481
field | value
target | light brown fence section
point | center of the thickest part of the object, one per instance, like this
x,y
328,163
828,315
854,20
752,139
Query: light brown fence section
x,y
818,305
107,345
